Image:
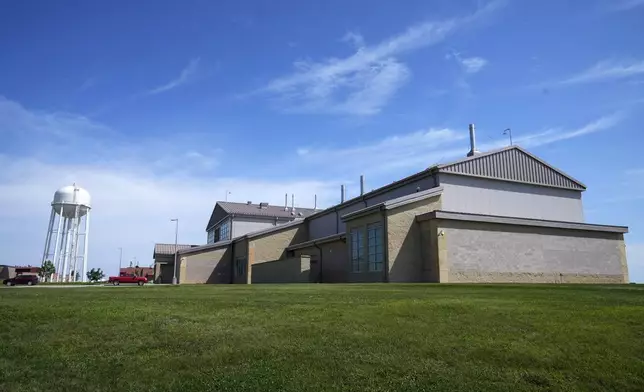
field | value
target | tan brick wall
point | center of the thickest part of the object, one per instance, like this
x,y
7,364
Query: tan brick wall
x,y
404,240
361,224
273,246
290,270
207,267
486,252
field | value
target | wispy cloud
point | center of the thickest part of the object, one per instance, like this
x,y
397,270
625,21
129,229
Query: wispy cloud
x,y
354,38
87,84
364,82
557,134
128,180
470,65
603,71
186,76
473,64
624,5
423,148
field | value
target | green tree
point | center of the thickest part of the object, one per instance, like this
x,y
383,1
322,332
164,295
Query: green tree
x,y
94,275
47,270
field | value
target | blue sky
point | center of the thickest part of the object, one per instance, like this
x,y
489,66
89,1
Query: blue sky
x,y
159,108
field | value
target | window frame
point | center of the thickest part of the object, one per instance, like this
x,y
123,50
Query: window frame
x,y
357,249
375,247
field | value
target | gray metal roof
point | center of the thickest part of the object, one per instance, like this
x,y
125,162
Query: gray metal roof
x,y
261,232
169,249
512,164
268,211
203,248
511,220
394,203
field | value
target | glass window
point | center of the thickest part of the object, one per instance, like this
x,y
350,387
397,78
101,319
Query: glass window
x,y
375,249
211,236
224,231
357,250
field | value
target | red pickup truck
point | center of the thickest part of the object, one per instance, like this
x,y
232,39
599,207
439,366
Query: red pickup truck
x,y
116,280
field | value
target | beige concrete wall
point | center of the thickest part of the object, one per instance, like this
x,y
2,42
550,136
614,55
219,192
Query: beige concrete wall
x,y
290,270
334,264
486,252
361,224
404,240
273,246
212,266
240,250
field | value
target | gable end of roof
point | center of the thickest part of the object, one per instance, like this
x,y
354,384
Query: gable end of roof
x,y
513,164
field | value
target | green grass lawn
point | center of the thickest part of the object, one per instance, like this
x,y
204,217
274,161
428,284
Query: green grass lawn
x,y
323,337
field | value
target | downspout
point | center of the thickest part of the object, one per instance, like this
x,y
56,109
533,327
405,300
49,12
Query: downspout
x,y
337,221
232,262
385,234
320,277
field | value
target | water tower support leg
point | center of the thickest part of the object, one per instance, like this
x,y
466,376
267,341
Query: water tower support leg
x,y
50,228
86,246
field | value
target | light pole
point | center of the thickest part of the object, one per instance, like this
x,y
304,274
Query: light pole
x,y
176,236
120,259
508,131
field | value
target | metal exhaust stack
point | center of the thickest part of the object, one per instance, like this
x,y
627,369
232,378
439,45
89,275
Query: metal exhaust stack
x,y
286,202
342,193
361,184
292,203
315,204
473,150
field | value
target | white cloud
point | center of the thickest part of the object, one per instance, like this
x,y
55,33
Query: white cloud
x,y
421,149
473,64
136,186
557,134
606,70
470,65
187,74
354,38
363,83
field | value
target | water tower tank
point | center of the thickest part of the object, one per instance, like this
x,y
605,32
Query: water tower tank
x,y
68,197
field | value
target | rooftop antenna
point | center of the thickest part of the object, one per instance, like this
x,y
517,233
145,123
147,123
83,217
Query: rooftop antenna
x,y
508,131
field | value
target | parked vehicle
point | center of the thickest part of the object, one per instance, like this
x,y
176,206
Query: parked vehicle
x,y
29,280
117,280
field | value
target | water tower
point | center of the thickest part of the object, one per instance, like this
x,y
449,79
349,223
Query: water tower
x,y
68,222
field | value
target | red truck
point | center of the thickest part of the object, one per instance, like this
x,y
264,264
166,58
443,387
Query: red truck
x,y
128,278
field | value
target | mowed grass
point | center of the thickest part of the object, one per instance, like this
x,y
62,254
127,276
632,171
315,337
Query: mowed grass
x,y
323,337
